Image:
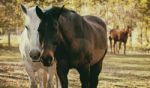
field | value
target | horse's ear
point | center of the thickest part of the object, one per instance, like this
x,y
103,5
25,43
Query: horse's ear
x,y
24,8
59,13
39,12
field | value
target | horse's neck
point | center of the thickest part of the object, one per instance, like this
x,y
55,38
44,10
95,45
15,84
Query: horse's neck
x,y
127,30
66,30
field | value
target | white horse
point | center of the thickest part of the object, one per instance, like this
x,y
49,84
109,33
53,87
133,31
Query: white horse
x,y
30,51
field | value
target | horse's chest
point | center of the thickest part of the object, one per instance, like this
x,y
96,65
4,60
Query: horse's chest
x,y
76,58
73,58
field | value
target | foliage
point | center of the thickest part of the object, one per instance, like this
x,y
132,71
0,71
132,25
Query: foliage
x,y
116,13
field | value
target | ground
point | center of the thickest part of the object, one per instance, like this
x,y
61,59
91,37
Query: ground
x,y
119,71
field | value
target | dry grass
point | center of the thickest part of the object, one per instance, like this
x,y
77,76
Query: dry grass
x,y
130,71
9,54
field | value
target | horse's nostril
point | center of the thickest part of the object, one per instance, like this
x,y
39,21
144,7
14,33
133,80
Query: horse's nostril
x,y
38,54
47,61
34,55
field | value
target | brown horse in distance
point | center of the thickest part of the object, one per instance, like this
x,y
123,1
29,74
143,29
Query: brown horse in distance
x,y
119,36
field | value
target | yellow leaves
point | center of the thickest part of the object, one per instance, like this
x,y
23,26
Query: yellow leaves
x,y
143,3
107,9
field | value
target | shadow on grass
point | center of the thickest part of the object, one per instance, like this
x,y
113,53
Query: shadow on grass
x,y
15,77
9,48
9,54
109,79
129,55
122,86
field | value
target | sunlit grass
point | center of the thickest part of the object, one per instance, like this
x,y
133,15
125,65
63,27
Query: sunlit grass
x,y
131,71
10,54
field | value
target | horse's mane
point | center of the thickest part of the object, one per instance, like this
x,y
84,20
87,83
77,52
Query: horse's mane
x,y
55,10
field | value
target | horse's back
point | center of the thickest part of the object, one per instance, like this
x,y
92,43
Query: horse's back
x,y
117,35
114,34
96,20
99,29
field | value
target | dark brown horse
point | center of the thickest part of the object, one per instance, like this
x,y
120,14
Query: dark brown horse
x,y
119,36
75,41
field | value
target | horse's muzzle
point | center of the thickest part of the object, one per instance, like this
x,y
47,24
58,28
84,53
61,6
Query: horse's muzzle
x,y
34,54
47,61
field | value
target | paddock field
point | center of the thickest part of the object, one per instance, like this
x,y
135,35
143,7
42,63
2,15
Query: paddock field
x,y
119,71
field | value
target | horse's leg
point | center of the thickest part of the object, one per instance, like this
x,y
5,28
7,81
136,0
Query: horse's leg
x,y
58,84
42,77
110,39
124,48
51,72
119,46
57,79
84,72
115,46
45,80
62,71
95,70
31,75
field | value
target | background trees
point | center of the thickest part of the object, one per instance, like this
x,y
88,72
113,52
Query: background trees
x,y
116,13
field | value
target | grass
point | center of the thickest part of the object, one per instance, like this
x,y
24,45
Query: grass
x,y
119,71
10,54
131,71
6,53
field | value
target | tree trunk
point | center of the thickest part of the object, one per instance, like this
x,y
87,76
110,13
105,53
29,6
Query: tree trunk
x,y
147,39
141,38
9,40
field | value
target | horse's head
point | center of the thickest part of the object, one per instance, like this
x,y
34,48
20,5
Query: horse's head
x,y
129,30
49,33
32,22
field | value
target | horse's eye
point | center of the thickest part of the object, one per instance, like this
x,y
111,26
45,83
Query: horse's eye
x,y
27,27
